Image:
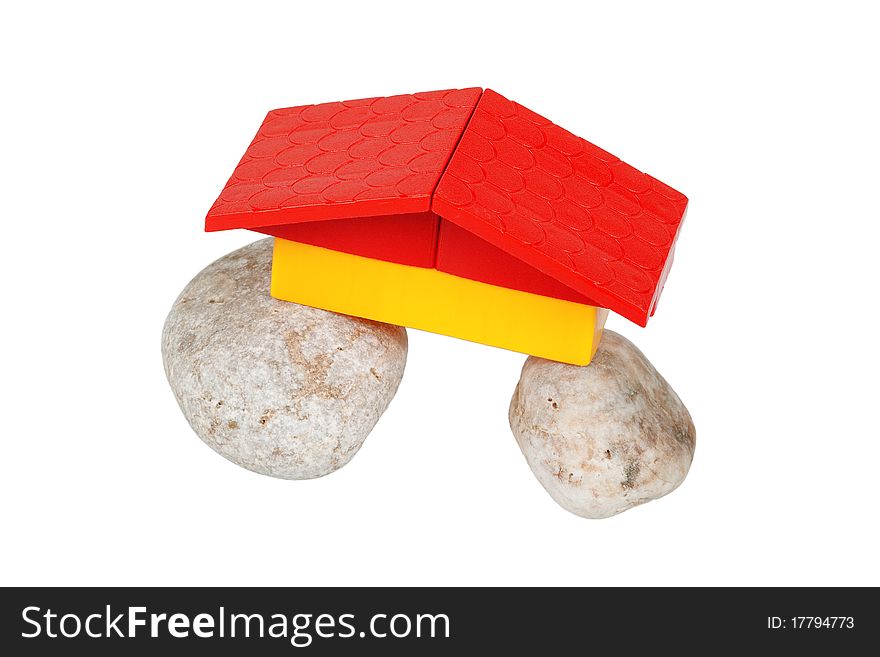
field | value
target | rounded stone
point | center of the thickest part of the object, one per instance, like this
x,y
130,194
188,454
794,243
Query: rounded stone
x,y
278,388
604,437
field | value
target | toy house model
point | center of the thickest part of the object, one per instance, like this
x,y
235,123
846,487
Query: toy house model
x,y
458,212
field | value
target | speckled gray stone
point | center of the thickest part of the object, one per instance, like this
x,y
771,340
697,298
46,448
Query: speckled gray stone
x,y
278,388
605,437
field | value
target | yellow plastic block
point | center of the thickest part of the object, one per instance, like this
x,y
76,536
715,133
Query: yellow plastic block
x,y
435,301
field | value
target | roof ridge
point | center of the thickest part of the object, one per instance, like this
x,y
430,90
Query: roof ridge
x,y
446,166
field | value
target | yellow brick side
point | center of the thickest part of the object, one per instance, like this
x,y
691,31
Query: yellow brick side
x,y
435,301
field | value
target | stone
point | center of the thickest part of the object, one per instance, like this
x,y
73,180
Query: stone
x,y
604,437
278,388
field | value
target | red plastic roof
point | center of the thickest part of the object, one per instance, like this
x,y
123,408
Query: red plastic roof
x,y
563,205
356,158
491,166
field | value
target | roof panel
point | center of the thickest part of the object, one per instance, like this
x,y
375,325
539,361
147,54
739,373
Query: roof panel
x,y
360,158
562,205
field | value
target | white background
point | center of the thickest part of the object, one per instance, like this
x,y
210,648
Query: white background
x,y
119,128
